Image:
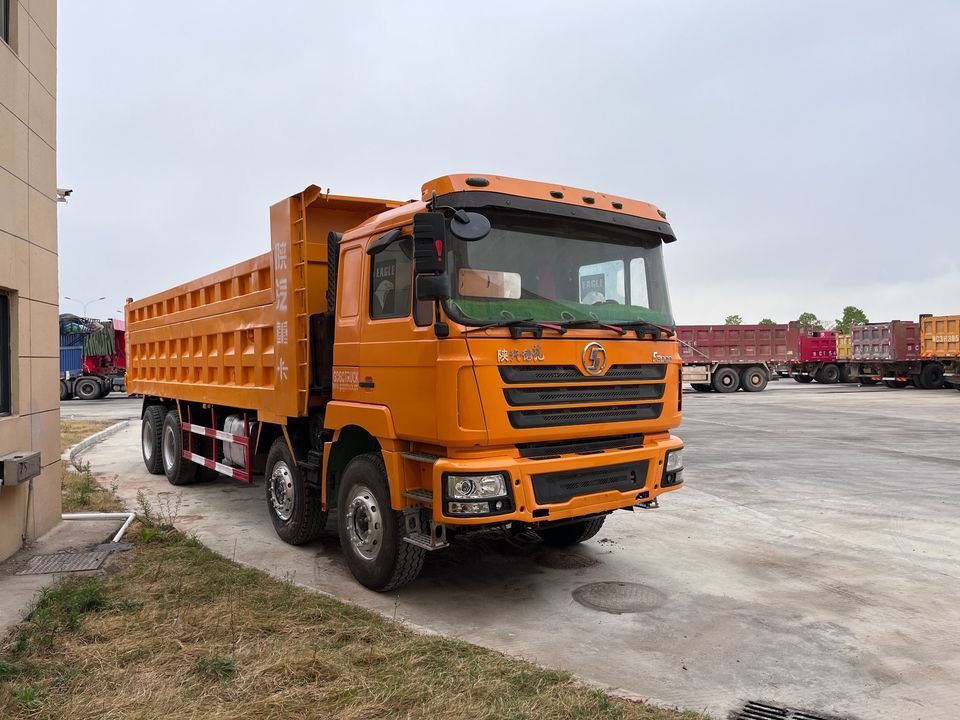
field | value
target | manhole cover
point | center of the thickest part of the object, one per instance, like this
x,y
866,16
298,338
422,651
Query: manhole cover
x,y
64,562
619,597
560,560
754,710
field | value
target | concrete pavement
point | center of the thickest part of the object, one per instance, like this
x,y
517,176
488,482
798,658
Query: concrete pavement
x,y
811,561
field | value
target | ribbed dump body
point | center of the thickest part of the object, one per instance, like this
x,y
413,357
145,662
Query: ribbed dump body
x,y
893,341
240,336
940,336
843,346
734,343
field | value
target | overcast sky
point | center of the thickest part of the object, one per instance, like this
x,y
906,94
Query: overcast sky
x,y
807,153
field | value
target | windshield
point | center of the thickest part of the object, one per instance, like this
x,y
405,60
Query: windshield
x,y
552,269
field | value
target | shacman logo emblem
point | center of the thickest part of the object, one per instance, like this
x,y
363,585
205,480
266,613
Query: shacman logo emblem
x,y
594,358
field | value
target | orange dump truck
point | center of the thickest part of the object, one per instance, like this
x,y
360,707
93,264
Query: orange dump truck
x,y
940,346
499,354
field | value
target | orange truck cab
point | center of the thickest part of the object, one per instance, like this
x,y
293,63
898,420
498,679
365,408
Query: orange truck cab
x,y
499,354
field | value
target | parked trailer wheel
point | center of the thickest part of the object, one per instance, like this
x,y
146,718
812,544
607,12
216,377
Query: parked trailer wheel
x,y
726,380
930,377
65,393
753,379
571,533
178,469
151,431
896,384
87,388
293,505
803,379
848,373
828,374
371,533
701,387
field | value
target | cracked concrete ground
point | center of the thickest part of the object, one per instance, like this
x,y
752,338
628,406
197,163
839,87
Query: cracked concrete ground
x,y
813,560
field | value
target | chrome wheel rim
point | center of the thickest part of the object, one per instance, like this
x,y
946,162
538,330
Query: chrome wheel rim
x,y
147,439
169,447
364,522
282,492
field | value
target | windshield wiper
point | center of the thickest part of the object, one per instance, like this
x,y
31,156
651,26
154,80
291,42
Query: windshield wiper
x,y
518,326
642,327
593,324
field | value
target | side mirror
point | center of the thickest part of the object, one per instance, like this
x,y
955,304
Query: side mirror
x,y
432,287
428,247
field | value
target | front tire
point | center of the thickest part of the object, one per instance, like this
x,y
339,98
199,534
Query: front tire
x,y
294,506
151,431
371,532
571,533
64,391
87,388
753,379
930,377
176,467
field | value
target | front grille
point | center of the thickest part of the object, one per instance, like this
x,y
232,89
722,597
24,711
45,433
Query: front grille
x,y
514,374
588,446
583,416
549,488
568,394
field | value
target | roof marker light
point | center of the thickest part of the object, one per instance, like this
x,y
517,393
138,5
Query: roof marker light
x,y
589,200
618,206
556,194
477,181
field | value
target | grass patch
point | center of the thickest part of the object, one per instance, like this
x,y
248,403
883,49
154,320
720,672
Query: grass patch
x,y
80,492
73,431
179,632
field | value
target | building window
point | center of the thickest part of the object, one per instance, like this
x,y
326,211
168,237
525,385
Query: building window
x,y
390,279
5,20
6,362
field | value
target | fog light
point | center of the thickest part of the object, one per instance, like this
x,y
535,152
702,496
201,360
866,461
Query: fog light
x,y
468,508
674,460
470,487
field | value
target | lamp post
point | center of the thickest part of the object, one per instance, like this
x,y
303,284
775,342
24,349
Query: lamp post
x,y
85,303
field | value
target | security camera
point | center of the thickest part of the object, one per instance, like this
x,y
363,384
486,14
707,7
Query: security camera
x,y
63,194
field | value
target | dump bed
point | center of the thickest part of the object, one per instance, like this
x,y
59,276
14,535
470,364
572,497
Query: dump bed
x,y
733,343
240,336
818,346
940,336
843,346
895,341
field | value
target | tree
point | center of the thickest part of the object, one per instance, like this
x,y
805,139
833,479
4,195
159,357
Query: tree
x,y
809,320
851,316
733,320
767,321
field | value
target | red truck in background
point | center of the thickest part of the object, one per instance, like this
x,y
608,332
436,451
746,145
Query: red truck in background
x,y
93,357
726,358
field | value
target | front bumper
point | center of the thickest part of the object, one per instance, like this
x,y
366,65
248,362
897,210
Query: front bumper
x,y
521,472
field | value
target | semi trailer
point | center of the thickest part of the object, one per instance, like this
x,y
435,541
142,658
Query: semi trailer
x,y
497,355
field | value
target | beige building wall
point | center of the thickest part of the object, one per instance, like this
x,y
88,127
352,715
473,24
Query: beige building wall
x,y
28,264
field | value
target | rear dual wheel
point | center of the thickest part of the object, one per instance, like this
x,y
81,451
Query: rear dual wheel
x,y
753,379
930,377
294,506
726,380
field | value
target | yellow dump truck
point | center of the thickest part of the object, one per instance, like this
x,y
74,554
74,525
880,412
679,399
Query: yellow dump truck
x,y
498,354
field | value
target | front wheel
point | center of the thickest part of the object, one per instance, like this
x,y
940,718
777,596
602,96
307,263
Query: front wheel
x,y
726,380
371,532
571,533
294,506
930,377
829,374
87,388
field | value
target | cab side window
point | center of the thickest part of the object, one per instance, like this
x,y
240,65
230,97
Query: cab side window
x,y
391,276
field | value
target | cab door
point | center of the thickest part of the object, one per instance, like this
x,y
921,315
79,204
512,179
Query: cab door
x,y
398,351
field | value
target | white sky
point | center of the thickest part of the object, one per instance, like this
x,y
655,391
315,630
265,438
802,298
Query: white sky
x,y
808,154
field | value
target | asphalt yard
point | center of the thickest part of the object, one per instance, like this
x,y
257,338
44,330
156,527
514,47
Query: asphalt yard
x,y
811,561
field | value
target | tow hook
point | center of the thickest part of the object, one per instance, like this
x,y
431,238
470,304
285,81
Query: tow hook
x,y
648,504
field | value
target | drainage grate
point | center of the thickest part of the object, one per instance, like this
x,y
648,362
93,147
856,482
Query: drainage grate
x,y
754,710
64,562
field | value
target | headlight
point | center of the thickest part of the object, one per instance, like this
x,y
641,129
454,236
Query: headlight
x,y
675,460
471,487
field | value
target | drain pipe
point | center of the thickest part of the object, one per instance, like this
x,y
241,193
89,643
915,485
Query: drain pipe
x,y
104,516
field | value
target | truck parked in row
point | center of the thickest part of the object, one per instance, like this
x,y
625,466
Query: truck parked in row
x,y
92,357
496,355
